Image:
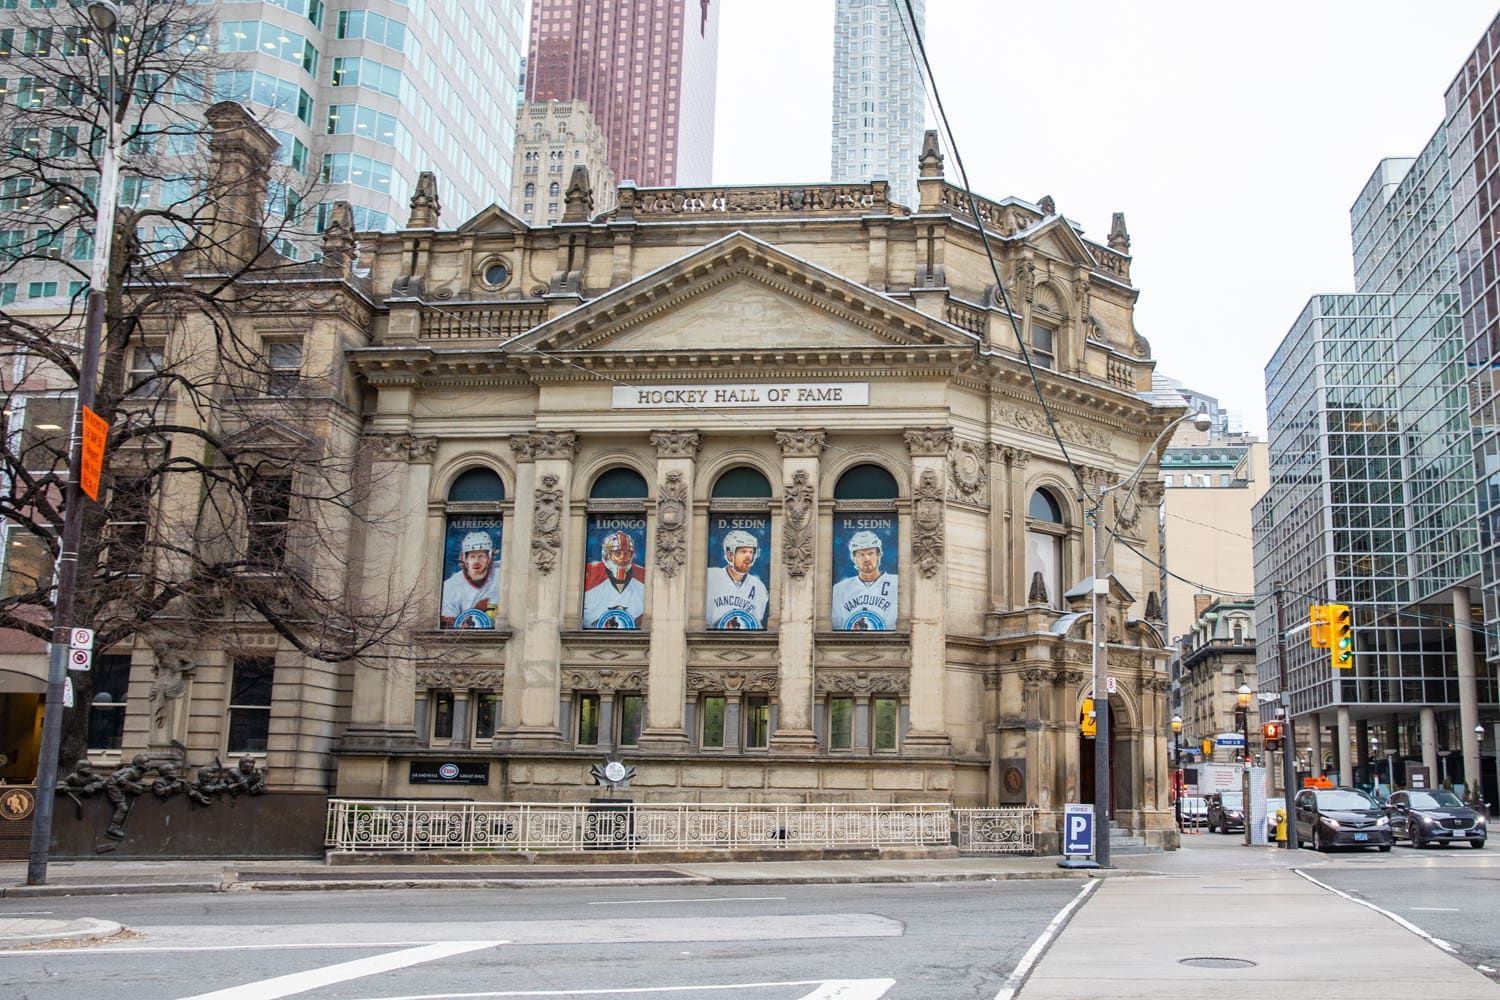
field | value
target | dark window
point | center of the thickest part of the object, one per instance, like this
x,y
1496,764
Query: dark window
x,y
270,507
840,723
486,711
713,722
129,511
442,715
45,432
250,704
887,716
285,360
1043,355
741,482
28,563
632,711
757,723
496,274
619,484
866,482
588,720
1044,508
107,709
477,486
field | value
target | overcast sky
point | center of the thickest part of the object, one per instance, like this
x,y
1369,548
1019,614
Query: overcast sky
x,y
1234,137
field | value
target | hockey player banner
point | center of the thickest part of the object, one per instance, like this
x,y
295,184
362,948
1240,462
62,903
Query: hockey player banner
x,y
614,580
865,564
739,560
471,573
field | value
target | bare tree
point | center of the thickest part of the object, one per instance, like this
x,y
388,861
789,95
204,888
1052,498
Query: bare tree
x,y
234,475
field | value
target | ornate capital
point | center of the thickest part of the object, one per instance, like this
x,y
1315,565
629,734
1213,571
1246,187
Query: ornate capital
x,y
554,444
1150,492
521,446
675,444
798,514
801,443
929,441
927,523
1035,676
392,447
671,521
546,524
424,449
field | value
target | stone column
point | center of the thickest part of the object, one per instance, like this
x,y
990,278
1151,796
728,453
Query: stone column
x,y
1000,541
541,648
1346,765
1468,690
666,676
1068,713
1427,718
1315,743
1042,784
606,720
516,584
1015,535
928,573
800,450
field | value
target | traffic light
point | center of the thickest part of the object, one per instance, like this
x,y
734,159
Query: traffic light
x,y
1271,734
1341,636
1088,723
1318,617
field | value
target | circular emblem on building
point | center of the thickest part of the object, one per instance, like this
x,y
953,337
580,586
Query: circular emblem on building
x,y
16,803
616,618
473,618
1013,780
614,771
448,771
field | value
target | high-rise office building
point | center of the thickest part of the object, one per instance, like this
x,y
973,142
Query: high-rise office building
x,y
645,69
877,96
553,138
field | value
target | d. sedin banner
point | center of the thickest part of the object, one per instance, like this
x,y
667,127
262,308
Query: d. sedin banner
x,y
739,560
865,572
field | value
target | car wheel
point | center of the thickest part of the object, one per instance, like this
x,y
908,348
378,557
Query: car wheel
x,y
1414,834
1476,844
1318,844
1384,848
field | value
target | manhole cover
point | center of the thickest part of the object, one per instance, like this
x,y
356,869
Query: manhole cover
x,y
1215,962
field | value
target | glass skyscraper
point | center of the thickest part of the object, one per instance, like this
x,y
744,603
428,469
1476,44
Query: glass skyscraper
x,y
878,109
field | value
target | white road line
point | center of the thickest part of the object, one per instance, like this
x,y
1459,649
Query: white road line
x,y
1023,968
301,982
853,989
126,949
1433,909
1399,920
706,899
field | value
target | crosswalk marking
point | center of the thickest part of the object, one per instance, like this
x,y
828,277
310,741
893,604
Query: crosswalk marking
x,y
301,982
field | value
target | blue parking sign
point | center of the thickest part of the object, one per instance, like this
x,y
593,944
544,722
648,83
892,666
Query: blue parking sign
x,y
1078,828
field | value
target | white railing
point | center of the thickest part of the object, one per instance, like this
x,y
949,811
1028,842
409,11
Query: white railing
x,y
356,825
995,831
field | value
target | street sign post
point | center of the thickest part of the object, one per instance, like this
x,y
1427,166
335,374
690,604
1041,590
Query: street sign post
x,y
80,659
1078,828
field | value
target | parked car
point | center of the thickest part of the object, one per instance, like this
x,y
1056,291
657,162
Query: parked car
x,y
1434,817
1340,817
1273,806
1194,811
1226,811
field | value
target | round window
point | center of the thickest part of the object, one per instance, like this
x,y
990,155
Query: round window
x,y
496,274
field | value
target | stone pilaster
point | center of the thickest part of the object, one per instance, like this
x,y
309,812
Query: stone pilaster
x,y
800,451
1015,535
541,648
929,629
676,452
517,564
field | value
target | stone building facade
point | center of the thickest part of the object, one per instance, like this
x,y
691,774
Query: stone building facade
x,y
749,486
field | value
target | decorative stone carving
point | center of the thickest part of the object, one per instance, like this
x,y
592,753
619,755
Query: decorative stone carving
x,y
1034,422
1157,684
1071,676
1038,592
460,678
671,521
801,443
424,449
604,679
546,524
1153,607
392,447
863,682
1082,303
732,681
520,445
797,524
1022,283
554,444
675,444
169,680
426,209
928,441
1047,205
966,472
927,523
1150,492
1034,676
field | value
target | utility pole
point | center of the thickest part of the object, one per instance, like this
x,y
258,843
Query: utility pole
x,y
1289,737
1101,696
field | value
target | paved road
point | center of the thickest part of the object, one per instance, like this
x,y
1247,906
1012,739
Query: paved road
x,y
854,942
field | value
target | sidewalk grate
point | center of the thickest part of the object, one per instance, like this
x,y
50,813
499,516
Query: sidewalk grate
x,y
1216,962
456,876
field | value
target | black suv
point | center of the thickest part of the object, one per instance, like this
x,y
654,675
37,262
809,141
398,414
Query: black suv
x,y
1340,817
1226,811
1434,817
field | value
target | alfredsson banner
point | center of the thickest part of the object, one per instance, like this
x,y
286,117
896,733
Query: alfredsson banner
x,y
471,573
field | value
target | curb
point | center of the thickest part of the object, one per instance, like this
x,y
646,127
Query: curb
x,y
95,930
123,889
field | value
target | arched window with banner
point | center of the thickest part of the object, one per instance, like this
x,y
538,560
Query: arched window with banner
x,y
866,551
471,551
614,575
739,551
1045,531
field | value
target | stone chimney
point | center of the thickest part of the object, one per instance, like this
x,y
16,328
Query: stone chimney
x,y
425,207
239,173
930,174
338,241
1201,603
579,203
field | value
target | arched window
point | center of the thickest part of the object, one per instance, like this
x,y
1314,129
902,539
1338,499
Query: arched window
x,y
739,551
614,575
530,189
471,551
1043,344
1046,530
866,551
554,189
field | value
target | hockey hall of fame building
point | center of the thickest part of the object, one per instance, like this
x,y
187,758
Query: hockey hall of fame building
x,y
749,487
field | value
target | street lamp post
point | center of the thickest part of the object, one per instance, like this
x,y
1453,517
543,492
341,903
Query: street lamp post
x,y
1478,779
1390,769
1443,760
1177,784
1202,421
1242,701
105,17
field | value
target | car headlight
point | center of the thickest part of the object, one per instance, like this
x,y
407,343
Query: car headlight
x,y
1432,821
1234,815
1329,821
1382,821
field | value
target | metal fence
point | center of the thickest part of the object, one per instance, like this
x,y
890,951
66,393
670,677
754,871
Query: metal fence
x,y
995,831
356,825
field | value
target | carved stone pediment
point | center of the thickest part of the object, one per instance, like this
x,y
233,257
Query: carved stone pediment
x,y
603,679
731,681
863,682
461,678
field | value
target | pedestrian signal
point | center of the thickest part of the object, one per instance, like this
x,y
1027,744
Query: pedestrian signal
x,y
1341,636
1271,734
1088,723
1318,617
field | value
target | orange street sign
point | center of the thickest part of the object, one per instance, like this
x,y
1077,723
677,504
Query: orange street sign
x,y
95,431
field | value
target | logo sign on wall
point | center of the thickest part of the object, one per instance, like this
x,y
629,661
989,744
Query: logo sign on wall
x,y
614,578
449,772
471,573
739,558
865,564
